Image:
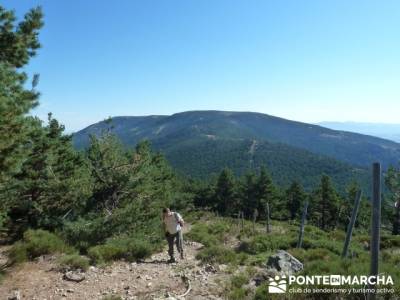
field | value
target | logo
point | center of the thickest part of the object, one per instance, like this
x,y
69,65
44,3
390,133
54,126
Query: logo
x,y
282,284
277,285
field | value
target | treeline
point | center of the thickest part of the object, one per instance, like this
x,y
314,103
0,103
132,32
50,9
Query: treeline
x,y
328,209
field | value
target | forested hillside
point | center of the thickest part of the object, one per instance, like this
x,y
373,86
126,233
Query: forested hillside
x,y
205,156
352,148
199,144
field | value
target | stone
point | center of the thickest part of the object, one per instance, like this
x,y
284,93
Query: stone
x,y
222,268
92,269
210,269
284,263
263,276
74,276
15,296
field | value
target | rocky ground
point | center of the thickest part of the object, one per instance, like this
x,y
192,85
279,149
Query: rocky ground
x,y
153,278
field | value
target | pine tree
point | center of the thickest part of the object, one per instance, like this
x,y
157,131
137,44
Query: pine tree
x,y
267,192
53,180
225,193
18,43
392,181
325,205
130,186
248,196
295,196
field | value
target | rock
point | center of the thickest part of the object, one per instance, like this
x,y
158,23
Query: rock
x,y
222,268
75,276
263,276
284,263
149,284
210,269
15,296
92,269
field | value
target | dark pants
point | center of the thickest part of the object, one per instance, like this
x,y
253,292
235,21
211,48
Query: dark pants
x,y
178,241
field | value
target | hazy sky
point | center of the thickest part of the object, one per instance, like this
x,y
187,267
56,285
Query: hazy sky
x,y
302,59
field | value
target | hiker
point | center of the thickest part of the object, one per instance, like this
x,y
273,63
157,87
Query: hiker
x,y
173,223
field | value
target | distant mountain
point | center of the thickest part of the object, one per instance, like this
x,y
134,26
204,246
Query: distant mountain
x,y
199,143
382,130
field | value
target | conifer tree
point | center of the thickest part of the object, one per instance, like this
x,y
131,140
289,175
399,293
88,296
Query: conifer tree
x,y
225,192
295,196
268,193
392,181
53,180
18,43
248,196
325,205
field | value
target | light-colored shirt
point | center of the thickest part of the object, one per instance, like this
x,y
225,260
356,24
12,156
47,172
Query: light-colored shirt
x,y
172,222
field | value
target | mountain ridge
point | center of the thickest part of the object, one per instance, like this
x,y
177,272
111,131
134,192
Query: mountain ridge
x,y
227,124
390,131
200,143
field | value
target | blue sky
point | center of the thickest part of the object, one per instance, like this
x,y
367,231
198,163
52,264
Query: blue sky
x,y
304,60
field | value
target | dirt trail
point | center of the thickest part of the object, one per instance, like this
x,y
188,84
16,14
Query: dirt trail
x,y
253,147
153,278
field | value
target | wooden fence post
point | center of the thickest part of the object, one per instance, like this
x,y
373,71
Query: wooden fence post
x,y
396,222
302,224
242,220
376,222
268,226
255,214
351,224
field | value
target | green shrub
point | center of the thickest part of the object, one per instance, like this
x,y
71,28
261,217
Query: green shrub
x,y
262,292
266,243
217,254
219,228
74,262
237,294
18,252
318,254
112,297
299,253
84,233
258,259
331,245
236,289
200,234
36,243
239,280
130,249
337,235
390,241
